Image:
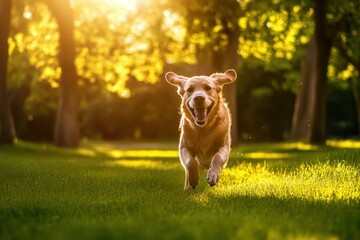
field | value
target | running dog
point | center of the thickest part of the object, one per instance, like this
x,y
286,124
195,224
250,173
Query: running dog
x,y
205,125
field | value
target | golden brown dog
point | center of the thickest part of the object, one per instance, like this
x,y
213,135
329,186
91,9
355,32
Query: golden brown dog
x,y
205,125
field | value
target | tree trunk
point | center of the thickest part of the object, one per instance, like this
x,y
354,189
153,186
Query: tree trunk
x,y
231,60
300,120
221,61
7,130
203,65
357,101
323,45
310,106
356,64
67,121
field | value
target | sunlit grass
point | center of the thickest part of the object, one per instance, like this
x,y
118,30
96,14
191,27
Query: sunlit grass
x,y
274,150
343,143
144,164
321,181
122,153
110,191
300,146
265,155
144,153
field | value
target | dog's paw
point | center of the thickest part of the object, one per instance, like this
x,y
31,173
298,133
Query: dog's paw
x,y
188,186
212,177
191,182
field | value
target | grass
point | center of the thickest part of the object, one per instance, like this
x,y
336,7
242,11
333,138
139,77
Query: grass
x,y
104,191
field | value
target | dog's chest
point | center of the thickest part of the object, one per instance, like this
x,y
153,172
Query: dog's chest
x,y
204,146
204,160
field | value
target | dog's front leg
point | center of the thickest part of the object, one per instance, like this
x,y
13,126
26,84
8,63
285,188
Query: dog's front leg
x,y
191,169
218,161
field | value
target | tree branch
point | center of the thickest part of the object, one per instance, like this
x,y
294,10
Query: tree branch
x,y
346,56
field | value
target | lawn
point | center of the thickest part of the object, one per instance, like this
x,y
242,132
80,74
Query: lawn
x,y
126,191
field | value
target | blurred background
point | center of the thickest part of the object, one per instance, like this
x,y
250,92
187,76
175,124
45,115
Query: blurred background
x,y
123,48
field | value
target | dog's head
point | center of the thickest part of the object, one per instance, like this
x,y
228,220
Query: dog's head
x,y
200,94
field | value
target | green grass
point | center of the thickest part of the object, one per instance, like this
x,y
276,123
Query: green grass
x,y
103,191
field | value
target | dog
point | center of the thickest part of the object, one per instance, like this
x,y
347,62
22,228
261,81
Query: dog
x,y
205,123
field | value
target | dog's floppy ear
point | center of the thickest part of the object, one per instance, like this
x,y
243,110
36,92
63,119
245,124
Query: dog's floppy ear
x,y
224,78
176,80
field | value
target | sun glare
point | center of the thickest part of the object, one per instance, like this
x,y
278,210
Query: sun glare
x,y
130,5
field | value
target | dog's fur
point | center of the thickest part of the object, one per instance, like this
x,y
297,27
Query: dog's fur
x,y
205,125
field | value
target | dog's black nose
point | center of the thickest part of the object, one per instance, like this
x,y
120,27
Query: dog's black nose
x,y
199,98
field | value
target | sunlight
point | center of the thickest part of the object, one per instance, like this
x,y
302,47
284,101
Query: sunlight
x,y
133,153
143,153
300,146
266,155
144,164
170,18
130,5
343,143
321,182
86,152
27,14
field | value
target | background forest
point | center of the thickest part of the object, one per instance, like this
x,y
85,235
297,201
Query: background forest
x,y
297,62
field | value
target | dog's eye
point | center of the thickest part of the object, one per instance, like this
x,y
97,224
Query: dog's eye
x,y
208,88
190,89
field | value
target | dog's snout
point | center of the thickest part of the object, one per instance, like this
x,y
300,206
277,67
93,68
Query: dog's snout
x,y
199,98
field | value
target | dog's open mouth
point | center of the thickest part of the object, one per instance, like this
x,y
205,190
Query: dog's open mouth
x,y
200,114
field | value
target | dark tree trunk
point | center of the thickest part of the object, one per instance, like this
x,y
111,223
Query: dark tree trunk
x,y
67,120
231,60
354,90
203,65
323,45
310,106
300,120
357,101
7,130
221,61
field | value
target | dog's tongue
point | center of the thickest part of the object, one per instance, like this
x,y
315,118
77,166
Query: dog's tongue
x,y
200,114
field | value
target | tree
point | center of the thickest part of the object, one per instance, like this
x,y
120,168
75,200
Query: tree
x,y
310,107
347,44
121,41
67,131
214,31
230,58
7,132
309,112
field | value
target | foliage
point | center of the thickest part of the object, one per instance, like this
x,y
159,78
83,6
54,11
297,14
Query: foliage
x,y
259,119
143,115
269,191
125,41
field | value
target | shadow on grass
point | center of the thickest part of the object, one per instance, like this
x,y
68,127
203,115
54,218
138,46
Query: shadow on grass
x,y
270,217
165,216
102,191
